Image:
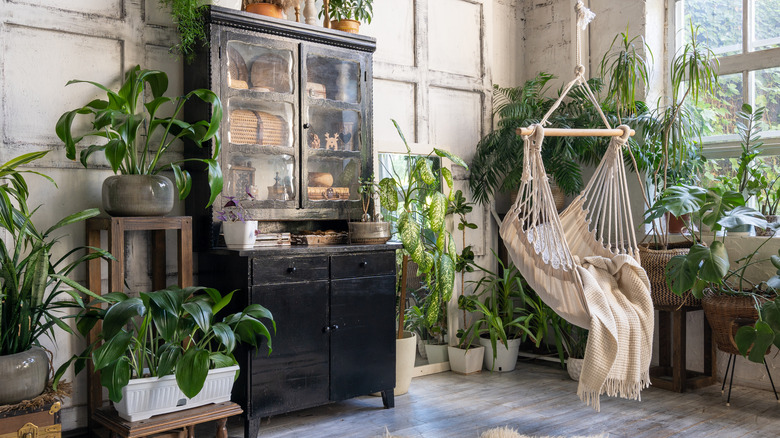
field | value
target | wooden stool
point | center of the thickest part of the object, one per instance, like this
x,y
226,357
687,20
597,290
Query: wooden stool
x,y
116,228
186,419
671,373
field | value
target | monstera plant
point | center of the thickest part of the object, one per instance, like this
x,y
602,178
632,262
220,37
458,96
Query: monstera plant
x,y
418,210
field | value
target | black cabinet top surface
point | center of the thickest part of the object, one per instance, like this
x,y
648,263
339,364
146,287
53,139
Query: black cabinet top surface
x,y
295,250
287,28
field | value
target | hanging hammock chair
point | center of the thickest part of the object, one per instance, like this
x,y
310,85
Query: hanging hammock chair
x,y
584,263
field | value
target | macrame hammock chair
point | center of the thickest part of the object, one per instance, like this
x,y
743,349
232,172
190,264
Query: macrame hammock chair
x,y
584,263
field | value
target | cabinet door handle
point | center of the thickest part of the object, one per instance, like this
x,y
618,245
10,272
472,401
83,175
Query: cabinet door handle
x,y
363,264
306,126
291,270
334,327
326,329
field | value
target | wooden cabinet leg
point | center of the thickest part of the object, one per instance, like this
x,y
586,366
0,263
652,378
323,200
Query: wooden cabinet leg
x,y
222,428
388,398
678,347
664,339
190,431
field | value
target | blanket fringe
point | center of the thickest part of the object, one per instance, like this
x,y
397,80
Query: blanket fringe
x,y
615,388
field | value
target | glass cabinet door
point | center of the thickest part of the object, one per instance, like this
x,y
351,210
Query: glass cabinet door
x,y
334,127
260,156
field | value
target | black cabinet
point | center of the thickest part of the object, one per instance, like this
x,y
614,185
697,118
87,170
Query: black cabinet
x,y
334,308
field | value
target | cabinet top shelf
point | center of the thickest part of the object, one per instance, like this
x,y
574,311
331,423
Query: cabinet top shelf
x,y
286,28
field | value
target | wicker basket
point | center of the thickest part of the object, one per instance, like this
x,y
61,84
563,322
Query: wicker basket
x,y
328,193
237,72
654,262
257,127
271,72
726,314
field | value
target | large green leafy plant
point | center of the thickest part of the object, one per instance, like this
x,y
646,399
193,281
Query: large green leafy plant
x,y
135,136
419,212
170,331
32,281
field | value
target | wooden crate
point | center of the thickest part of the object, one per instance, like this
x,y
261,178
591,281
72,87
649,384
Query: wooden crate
x,y
43,422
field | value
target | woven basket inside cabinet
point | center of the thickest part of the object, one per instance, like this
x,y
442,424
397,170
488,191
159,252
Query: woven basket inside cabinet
x,y
257,127
328,193
654,262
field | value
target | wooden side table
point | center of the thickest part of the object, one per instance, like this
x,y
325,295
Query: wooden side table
x,y
671,373
186,419
116,228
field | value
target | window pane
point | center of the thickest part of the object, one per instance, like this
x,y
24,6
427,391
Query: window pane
x,y
767,27
719,21
718,112
768,95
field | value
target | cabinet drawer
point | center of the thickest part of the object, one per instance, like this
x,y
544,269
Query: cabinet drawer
x,y
289,269
362,265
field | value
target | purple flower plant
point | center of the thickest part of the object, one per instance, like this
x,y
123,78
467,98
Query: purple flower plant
x,y
233,211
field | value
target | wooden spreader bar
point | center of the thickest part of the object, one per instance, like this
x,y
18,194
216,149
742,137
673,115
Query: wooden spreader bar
x,y
562,132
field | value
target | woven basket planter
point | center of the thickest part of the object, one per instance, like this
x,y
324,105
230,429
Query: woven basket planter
x,y
654,262
726,314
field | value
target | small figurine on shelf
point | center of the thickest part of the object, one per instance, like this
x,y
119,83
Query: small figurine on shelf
x,y
314,141
331,143
345,138
278,191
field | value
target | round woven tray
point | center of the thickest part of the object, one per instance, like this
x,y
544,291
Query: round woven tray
x,y
654,262
726,314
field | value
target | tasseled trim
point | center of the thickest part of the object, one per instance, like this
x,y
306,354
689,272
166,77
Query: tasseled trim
x,y
615,388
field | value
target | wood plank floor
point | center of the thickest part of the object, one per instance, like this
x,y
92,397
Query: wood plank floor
x,y
537,399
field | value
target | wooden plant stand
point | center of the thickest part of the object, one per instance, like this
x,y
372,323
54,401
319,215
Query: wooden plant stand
x,y
671,374
116,228
177,422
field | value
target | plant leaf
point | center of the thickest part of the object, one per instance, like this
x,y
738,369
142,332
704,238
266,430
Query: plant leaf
x,y
119,314
454,158
388,196
225,334
714,261
112,349
116,376
201,312
169,355
437,212
192,370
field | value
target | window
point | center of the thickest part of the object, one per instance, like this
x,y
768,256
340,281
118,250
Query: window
x,y
745,35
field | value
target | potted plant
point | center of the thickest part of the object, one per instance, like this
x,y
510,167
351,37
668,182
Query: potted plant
x,y
32,284
346,15
171,338
136,139
239,231
269,8
368,231
503,323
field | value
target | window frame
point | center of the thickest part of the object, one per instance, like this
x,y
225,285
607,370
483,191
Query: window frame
x,y
746,63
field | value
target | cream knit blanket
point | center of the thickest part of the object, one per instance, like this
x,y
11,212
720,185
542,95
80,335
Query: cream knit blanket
x,y
617,356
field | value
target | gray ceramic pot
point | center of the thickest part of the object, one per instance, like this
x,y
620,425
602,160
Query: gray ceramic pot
x,y
24,375
138,195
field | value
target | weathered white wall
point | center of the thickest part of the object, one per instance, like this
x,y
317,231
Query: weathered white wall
x,y
434,68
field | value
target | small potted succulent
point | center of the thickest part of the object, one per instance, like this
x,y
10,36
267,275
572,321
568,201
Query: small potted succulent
x,y
166,347
346,15
238,229
269,8
136,137
367,231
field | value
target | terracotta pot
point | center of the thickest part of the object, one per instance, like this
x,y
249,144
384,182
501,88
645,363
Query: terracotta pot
x,y
266,9
676,224
350,26
138,195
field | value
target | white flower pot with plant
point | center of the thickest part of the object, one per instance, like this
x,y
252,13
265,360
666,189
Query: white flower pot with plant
x,y
238,230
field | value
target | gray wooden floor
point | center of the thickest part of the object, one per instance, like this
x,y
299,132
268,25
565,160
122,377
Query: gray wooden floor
x,y
537,399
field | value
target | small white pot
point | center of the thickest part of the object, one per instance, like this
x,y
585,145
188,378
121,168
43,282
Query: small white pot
x,y
466,361
506,356
142,398
436,353
230,4
404,362
574,367
239,235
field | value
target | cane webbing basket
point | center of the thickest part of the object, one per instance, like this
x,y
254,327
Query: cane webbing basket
x,y
726,314
328,193
654,262
238,74
257,127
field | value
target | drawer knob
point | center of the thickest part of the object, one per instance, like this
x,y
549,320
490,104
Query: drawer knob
x,y
291,270
363,264
335,327
326,329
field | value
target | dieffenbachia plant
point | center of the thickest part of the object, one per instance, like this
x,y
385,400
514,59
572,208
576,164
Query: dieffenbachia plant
x,y
421,210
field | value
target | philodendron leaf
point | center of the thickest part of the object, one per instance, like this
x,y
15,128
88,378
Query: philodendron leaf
x,y
714,261
388,197
719,201
454,158
741,216
116,376
680,274
437,212
754,341
192,370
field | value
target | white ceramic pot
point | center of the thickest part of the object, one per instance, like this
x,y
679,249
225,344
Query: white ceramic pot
x,y
466,361
506,356
404,362
230,4
143,398
436,353
239,235
574,367
421,348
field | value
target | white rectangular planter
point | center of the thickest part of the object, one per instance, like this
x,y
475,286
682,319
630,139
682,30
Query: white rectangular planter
x,y
466,361
143,398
